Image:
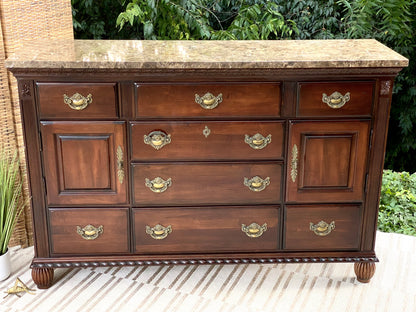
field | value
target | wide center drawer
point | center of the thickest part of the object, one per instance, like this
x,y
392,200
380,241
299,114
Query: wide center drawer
x,y
162,100
207,140
219,229
206,183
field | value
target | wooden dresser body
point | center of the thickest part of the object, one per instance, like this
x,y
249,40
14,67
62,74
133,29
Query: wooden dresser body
x,y
215,161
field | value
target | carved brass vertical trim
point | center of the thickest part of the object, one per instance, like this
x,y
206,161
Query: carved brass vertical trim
x,y
294,163
120,164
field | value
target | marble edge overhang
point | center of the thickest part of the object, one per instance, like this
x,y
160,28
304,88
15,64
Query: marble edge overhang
x,y
128,54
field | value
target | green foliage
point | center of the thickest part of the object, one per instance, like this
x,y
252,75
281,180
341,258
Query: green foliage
x,y
393,22
203,19
10,190
398,203
257,22
314,19
96,19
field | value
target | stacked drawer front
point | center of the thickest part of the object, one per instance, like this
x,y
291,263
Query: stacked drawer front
x,y
205,166
84,152
327,166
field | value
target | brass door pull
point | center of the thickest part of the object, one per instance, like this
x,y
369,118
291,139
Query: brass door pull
x,y
158,185
78,101
158,231
157,139
254,230
120,164
208,101
336,99
294,163
256,184
258,141
322,228
90,232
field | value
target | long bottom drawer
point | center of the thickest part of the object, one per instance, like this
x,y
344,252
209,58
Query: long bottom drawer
x,y
192,230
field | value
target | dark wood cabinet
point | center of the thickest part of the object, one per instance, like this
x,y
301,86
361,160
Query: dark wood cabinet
x,y
205,152
87,162
327,161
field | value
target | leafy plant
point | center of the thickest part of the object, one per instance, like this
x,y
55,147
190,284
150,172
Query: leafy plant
x,y
393,22
206,19
94,19
10,197
398,203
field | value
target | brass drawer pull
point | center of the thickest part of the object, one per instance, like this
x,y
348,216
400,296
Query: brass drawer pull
x,y
256,184
90,232
120,164
254,230
158,185
322,228
208,101
258,141
157,139
78,101
294,163
159,231
336,99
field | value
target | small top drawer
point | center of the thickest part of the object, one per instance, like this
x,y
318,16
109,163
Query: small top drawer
x,y
77,100
340,98
208,100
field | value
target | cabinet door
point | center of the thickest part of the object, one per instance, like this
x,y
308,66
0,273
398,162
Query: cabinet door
x,y
327,161
84,162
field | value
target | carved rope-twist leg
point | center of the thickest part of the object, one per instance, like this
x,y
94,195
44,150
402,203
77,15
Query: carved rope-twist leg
x,y
42,277
364,271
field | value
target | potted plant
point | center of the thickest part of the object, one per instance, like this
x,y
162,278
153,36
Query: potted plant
x,y
11,206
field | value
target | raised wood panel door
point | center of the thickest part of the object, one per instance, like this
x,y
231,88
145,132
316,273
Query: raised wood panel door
x,y
327,161
85,162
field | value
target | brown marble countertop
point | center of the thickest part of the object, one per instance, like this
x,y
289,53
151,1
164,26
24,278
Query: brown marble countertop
x,y
135,54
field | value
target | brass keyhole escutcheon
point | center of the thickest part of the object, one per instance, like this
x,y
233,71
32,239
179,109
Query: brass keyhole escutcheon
x,y
206,132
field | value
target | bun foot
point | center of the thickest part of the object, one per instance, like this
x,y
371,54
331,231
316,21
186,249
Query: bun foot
x,y
42,277
364,271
